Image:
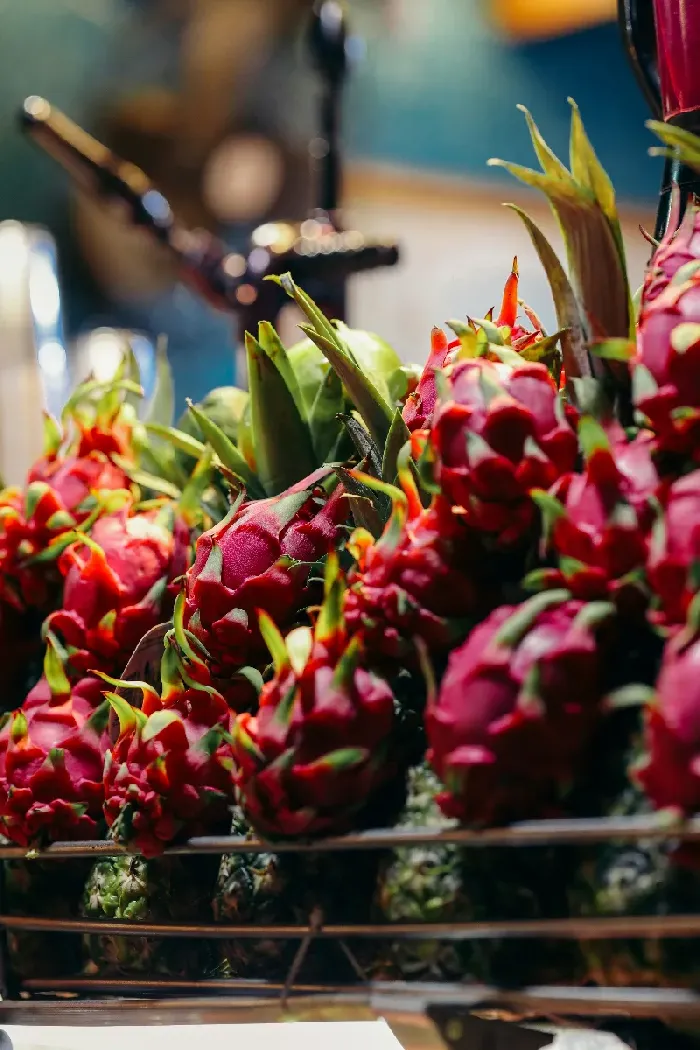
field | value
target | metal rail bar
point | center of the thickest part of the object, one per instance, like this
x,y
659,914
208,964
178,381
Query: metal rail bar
x,y
529,833
593,928
673,1004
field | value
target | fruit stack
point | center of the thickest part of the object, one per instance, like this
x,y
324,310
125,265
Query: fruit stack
x,y
388,596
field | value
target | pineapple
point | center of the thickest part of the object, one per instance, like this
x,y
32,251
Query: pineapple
x,y
43,889
422,883
138,890
252,888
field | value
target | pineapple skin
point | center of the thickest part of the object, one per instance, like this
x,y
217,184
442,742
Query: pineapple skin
x,y
138,890
46,890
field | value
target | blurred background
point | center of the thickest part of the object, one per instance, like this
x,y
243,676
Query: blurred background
x,y
218,101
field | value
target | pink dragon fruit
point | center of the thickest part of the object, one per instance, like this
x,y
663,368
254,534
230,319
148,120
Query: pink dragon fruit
x,y
675,550
667,367
51,764
259,557
318,748
516,709
598,523
503,432
420,405
421,580
670,771
118,584
171,771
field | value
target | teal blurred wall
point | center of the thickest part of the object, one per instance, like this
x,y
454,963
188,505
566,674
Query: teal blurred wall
x,y
438,92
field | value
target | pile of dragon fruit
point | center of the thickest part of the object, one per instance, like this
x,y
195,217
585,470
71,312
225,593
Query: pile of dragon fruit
x,y
383,596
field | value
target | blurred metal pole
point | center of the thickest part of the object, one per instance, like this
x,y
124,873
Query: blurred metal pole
x,y
636,19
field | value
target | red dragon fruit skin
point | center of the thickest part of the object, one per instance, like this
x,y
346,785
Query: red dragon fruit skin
x,y
258,558
670,771
516,710
170,771
601,524
316,751
426,573
668,339
420,405
675,550
51,768
502,433
117,585
56,501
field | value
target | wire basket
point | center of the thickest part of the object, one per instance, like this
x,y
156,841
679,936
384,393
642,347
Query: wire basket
x,y
674,1004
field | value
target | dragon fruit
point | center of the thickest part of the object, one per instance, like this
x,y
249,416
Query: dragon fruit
x,y
118,584
51,765
598,522
170,771
422,580
675,549
517,708
259,557
420,405
318,749
669,771
501,433
667,366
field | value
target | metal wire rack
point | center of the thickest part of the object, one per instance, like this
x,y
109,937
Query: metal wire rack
x,y
678,1005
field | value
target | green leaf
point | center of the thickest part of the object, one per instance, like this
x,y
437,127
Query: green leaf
x,y
191,500
342,760
299,643
587,169
573,337
549,161
161,407
359,495
129,717
327,406
226,451
614,349
516,626
633,695
281,439
375,411
145,480
592,437
397,437
182,441
491,330
683,144
274,641
54,671
271,343
685,336
157,722
53,435
366,447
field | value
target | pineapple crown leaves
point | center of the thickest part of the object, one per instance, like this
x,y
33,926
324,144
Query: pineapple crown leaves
x,y
226,451
161,407
275,412
583,202
677,143
376,412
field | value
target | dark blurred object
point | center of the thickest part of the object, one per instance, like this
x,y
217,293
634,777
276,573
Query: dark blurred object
x,y
647,24
319,255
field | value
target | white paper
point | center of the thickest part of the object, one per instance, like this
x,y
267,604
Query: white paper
x,y
301,1035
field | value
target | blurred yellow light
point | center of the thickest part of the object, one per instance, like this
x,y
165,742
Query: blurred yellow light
x,y
538,19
